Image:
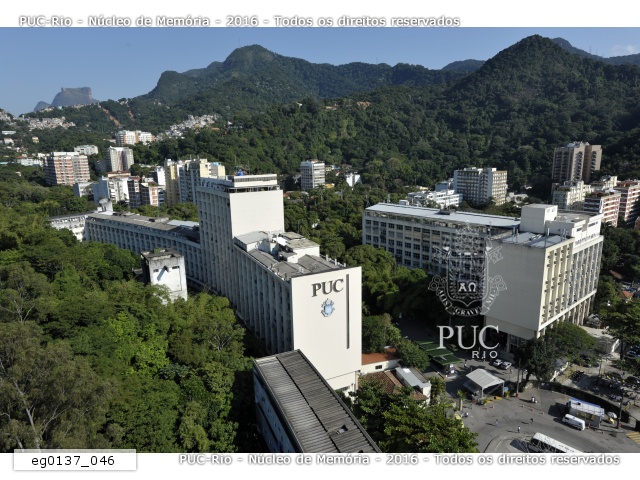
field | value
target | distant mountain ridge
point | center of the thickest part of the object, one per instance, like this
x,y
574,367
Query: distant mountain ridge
x,y
67,97
280,79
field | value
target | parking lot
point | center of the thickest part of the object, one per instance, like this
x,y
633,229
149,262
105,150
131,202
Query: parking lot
x,y
506,424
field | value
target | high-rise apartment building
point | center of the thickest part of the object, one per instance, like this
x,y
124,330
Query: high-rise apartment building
x,y
629,201
569,195
312,174
128,137
182,178
112,187
66,168
576,161
607,203
480,186
143,192
86,149
119,159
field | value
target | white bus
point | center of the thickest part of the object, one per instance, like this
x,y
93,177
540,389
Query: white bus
x,y
543,444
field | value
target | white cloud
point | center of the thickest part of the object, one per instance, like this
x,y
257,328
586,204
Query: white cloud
x,y
618,50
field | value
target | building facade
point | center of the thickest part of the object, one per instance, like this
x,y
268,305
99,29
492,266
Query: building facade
x,y
128,137
576,161
143,234
629,201
480,186
549,261
605,202
312,174
86,150
442,198
165,267
183,176
112,187
550,269
420,237
66,168
569,195
284,290
119,159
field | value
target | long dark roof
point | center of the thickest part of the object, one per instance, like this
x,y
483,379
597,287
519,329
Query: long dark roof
x,y
318,419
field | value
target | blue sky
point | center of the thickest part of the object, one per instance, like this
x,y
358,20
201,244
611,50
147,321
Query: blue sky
x,y
126,62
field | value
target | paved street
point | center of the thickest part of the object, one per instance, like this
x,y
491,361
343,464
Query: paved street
x,y
547,413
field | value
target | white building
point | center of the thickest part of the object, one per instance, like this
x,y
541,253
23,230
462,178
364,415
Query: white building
x,y
576,161
165,267
74,222
128,137
549,261
312,174
142,234
286,292
352,179
550,269
442,198
86,150
182,177
570,194
418,237
297,411
83,189
479,186
111,187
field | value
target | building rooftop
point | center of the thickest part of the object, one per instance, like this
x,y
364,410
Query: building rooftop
x,y
477,219
161,253
189,230
534,240
371,358
318,419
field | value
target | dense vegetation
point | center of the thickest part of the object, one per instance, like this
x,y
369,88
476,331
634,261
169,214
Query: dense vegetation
x,y
91,358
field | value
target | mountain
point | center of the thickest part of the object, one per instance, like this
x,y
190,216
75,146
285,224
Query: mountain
x,y
464,65
261,77
41,106
68,97
633,59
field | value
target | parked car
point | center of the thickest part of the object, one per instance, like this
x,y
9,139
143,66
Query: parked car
x,y
505,365
497,362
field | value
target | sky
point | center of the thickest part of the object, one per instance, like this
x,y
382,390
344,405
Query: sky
x,y
126,62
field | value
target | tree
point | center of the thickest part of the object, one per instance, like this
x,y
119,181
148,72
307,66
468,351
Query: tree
x,y
438,389
569,340
400,423
623,321
538,358
50,398
462,395
377,333
24,294
412,355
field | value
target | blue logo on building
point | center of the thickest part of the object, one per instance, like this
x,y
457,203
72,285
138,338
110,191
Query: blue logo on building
x,y
327,308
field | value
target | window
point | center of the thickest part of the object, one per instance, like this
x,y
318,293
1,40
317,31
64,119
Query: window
x,y
378,367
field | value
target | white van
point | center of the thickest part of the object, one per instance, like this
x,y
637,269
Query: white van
x,y
574,421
